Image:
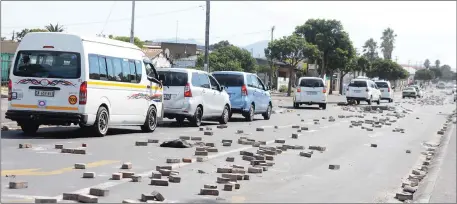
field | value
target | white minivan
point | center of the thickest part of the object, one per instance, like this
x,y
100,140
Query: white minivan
x,y
64,79
194,95
386,90
362,89
310,90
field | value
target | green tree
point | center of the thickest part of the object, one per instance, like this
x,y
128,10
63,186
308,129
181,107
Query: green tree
x,y
424,74
427,64
54,28
363,64
388,42
291,50
349,64
447,73
387,70
136,40
229,58
24,32
436,71
437,63
220,44
370,50
321,33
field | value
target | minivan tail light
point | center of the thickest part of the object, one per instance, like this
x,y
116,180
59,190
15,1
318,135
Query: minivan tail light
x,y
187,91
388,89
10,90
324,90
83,93
298,89
244,90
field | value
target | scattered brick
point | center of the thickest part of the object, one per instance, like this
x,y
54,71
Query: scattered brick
x,y
403,196
87,198
269,158
164,167
45,200
295,126
222,180
174,179
58,146
202,129
196,138
209,128
18,184
257,162
228,187
184,137
67,150
127,174
156,175
247,158
280,141
246,177
212,150
374,145
159,182
126,165
298,147
276,127
21,146
165,172
186,160
223,170
89,175
238,171
306,154
209,133
70,196
158,196
317,148
141,143
173,161
233,177
212,192
409,189
116,176
201,153
294,136
260,129
226,144
153,141
255,170
210,186
79,151
98,192
237,166
408,151
83,145
334,167
136,178
230,159
80,166
222,126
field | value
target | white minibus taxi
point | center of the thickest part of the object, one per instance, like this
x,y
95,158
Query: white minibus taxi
x,y
64,79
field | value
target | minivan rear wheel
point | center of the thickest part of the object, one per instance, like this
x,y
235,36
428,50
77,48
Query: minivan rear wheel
x,y
29,128
250,115
150,123
196,120
267,115
100,127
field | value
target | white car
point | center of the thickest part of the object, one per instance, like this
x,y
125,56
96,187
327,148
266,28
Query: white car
x,y
441,85
64,79
386,90
310,90
363,90
419,92
409,92
194,95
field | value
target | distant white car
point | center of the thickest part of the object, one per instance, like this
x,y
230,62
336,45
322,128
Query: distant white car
x,y
361,89
419,92
386,90
310,91
409,92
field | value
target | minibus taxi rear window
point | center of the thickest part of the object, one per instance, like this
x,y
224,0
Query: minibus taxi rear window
x,y
230,80
173,78
382,84
48,64
358,84
311,83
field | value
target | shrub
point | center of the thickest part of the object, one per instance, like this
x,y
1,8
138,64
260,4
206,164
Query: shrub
x,y
283,88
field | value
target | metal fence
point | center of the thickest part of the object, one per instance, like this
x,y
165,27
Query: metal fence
x,y
5,70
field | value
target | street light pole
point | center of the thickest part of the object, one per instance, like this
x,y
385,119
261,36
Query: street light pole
x,y
132,36
206,65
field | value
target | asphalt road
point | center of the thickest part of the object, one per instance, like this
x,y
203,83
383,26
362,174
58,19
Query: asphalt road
x,y
367,174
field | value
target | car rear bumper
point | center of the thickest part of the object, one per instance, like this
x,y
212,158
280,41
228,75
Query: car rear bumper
x,y
356,98
46,118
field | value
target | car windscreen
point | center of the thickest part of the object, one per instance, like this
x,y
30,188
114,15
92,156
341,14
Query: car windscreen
x,y
358,84
47,64
410,89
311,83
229,80
382,84
169,78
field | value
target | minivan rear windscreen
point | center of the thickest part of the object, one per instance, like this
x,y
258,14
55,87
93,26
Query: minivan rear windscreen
x,y
382,84
358,84
173,78
230,80
311,83
48,64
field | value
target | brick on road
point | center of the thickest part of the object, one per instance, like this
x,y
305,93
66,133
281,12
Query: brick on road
x,y
126,165
196,138
87,198
18,184
174,179
45,200
136,178
116,176
207,191
98,192
89,175
141,143
58,146
80,166
127,174
156,175
334,167
159,182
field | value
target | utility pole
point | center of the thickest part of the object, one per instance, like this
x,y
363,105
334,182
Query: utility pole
x,y
206,65
14,33
177,23
132,36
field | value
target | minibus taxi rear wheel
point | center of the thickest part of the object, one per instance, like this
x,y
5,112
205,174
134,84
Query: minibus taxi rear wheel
x,y
100,127
29,128
150,123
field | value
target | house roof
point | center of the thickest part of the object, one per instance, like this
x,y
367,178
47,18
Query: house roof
x,y
8,47
151,53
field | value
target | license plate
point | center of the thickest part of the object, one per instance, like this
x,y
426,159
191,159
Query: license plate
x,y
44,93
311,92
166,96
357,91
382,90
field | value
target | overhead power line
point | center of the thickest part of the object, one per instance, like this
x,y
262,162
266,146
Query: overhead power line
x,y
114,20
107,18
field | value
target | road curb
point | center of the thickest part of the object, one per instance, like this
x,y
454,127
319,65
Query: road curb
x,y
425,190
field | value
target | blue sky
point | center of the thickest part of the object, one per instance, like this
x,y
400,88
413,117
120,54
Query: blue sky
x,y
424,29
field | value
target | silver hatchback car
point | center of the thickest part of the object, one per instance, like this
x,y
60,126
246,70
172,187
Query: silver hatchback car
x,y
194,95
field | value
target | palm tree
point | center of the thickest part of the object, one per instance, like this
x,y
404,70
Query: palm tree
x,y
54,28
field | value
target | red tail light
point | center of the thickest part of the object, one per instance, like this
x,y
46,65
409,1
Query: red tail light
x,y
298,89
324,90
10,90
83,93
388,89
244,90
187,91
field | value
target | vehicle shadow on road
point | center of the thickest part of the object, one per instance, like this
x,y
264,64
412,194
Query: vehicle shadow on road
x,y
302,107
62,133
